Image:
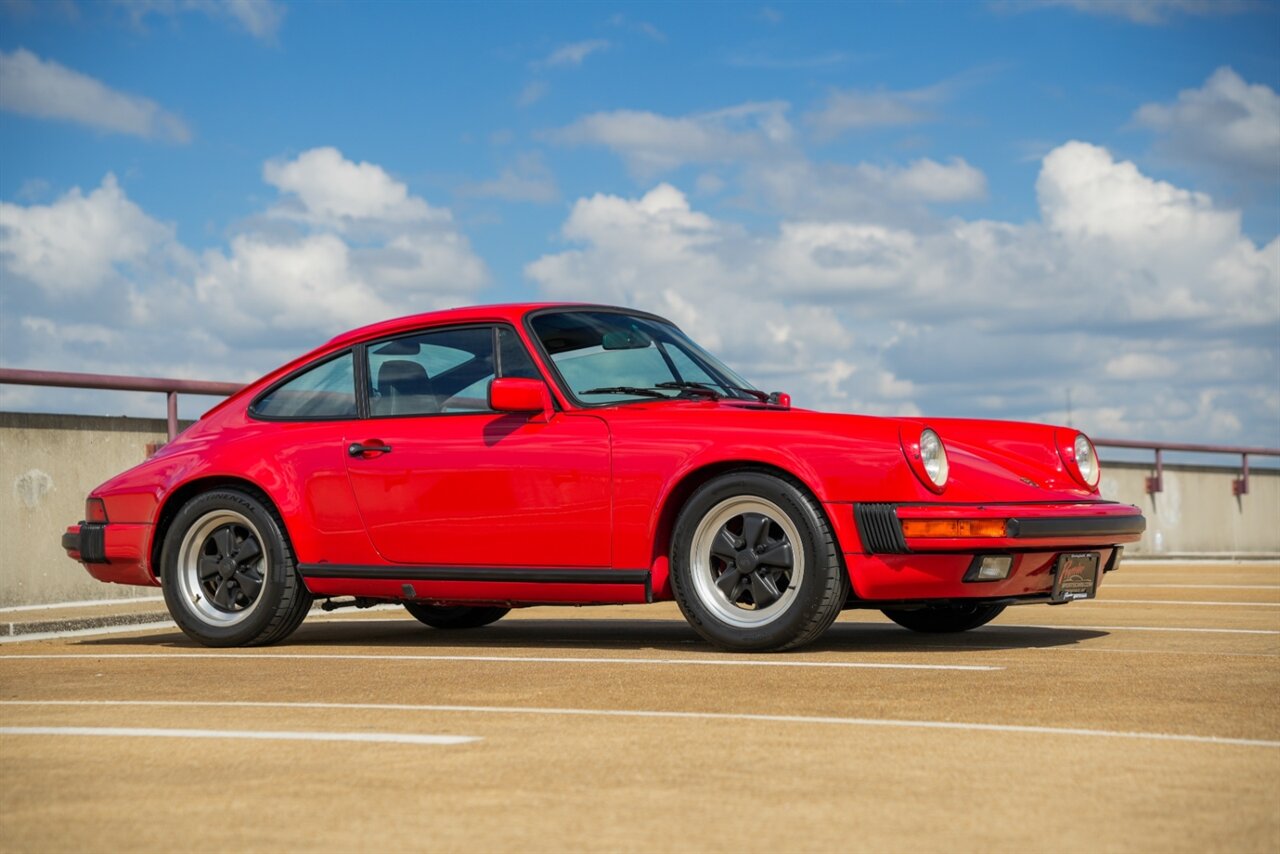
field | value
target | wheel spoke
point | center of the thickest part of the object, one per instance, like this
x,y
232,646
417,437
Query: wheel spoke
x,y
728,583
778,555
754,526
207,567
250,583
224,541
246,551
725,546
763,590
222,596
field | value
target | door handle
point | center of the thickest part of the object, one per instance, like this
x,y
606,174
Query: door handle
x,y
358,449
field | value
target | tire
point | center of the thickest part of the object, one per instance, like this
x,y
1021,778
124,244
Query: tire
x,y
220,546
455,616
945,618
754,565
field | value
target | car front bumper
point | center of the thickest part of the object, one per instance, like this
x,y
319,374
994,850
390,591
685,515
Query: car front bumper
x,y
889,564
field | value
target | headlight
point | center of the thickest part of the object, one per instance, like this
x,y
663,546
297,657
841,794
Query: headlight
x,y
1079,457
934,457
926,455
1086,459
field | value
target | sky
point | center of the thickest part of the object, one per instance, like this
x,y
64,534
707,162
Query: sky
x,y
1060,211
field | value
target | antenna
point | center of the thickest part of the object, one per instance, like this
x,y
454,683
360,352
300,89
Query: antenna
x,y
1069,424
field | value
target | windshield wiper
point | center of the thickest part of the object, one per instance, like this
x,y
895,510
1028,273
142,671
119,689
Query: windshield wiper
x,y
761,396
696,388
627,389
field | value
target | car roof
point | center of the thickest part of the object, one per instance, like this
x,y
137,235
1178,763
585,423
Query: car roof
x,y
510,312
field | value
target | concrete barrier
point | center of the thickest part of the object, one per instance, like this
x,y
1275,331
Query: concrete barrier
x,y
1195,515
48,464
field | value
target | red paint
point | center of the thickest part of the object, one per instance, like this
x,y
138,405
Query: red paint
x,y
547,483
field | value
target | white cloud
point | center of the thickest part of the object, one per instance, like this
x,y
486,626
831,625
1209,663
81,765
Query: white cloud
x,y
331,188
79,243
651,143
1131,292
1138,11
856,110
261,18
573,54
345,245
532,93
527,180
45,89
1227,123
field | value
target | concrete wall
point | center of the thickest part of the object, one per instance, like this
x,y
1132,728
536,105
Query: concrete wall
x,y
48,463
1196,514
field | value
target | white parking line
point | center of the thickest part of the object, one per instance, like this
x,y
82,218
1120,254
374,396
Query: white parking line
x,y
264,735
644,713
1177,602
1112,585
1143,629
513,659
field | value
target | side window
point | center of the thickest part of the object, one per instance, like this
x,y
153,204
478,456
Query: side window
x,y
445,371
326,391
513,357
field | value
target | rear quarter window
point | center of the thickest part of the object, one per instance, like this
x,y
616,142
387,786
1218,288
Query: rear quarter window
x,y
326,391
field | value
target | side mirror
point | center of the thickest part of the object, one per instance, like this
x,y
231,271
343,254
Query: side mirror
x,y
515,394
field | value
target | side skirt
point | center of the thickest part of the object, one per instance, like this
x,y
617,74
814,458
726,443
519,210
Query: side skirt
x,y
513,585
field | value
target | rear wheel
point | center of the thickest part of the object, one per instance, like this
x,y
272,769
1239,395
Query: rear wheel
x,y
754,564
229,574
945,618
455,616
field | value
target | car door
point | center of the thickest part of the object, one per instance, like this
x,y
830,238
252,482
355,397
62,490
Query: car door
x,y
442,480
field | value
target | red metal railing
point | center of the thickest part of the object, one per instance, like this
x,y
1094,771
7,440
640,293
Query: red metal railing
x,y
172,387
109,382
1155,482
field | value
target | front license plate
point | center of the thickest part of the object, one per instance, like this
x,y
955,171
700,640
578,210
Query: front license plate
x,y
1076,577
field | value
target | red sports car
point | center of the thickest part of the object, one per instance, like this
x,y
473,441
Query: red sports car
x,y
466,462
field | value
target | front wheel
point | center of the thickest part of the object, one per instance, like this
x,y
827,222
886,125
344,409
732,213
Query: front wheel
x,y
946,618
455,616
754,564
229,574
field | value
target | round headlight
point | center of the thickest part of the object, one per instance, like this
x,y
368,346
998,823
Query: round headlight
x,y
934,457
1086,459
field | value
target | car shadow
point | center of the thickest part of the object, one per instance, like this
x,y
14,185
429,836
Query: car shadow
x,y
632,635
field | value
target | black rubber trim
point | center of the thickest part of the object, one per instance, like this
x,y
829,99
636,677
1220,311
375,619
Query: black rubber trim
x,y
1076,526
527,575
879,528
91,543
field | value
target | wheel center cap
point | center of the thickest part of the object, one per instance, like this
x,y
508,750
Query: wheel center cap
x,y
227,567
746,561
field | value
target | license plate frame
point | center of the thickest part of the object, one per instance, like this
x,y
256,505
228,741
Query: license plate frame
x,y
1076,576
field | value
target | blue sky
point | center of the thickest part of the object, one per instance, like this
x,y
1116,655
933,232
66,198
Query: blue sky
x,y
946,208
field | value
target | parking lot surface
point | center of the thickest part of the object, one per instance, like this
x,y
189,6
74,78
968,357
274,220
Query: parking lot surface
x,y
1145,720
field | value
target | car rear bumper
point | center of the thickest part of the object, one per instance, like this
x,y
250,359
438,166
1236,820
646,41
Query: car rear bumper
x,y
112,551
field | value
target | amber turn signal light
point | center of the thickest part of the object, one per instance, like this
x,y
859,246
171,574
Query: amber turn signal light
x,y
953,528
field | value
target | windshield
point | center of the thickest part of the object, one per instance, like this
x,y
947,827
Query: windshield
x,y
608,356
